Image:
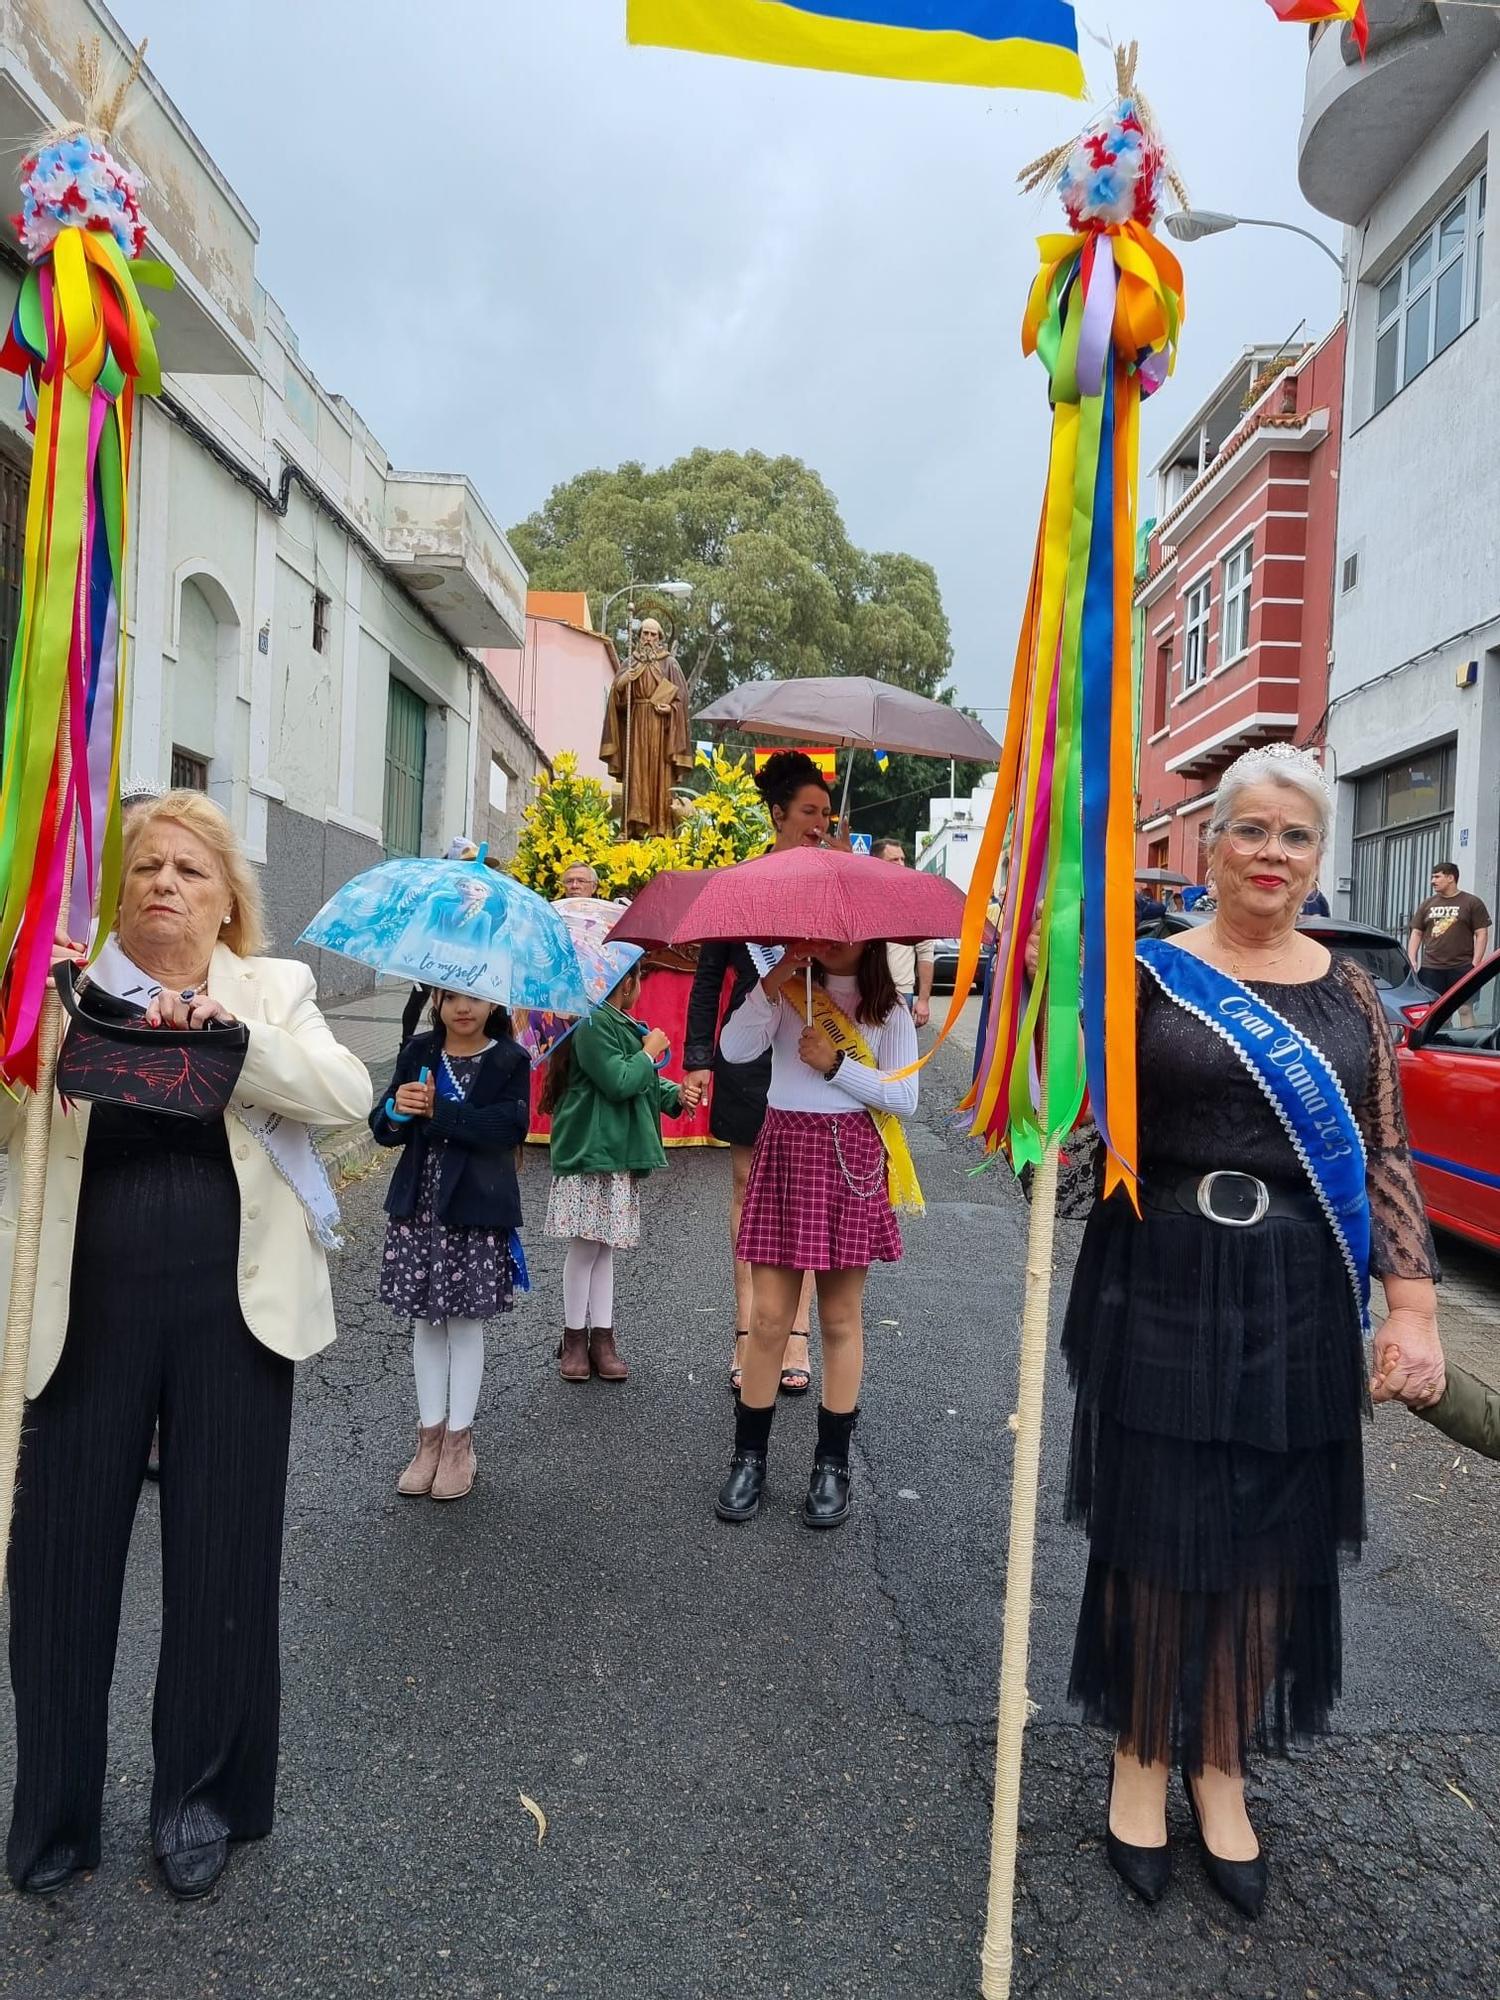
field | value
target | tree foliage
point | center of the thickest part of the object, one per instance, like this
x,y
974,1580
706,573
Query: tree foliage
x,y
779,590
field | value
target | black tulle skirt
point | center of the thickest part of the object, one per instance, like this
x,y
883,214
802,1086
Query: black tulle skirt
x,y
1217,1466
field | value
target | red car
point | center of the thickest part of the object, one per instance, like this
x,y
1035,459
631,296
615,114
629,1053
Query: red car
x,y
1450,1077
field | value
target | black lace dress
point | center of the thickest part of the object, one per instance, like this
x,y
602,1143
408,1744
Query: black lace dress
x,y
1220,1378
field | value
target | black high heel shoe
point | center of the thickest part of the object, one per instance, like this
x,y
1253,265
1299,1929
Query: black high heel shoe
x,y
1242,1883
1146,1870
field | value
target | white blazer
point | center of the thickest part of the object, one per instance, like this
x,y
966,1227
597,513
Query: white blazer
x,y
294,1066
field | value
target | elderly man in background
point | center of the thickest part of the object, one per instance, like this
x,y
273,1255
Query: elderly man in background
x,y
580,880
911,964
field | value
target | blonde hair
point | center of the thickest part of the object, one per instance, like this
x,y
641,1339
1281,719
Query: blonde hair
x,y
245,933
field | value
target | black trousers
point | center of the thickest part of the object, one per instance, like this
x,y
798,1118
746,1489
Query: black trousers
x,y
144,1346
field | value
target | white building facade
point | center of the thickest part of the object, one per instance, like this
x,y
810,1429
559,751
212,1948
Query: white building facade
x,y
955,828
1398,149
300,613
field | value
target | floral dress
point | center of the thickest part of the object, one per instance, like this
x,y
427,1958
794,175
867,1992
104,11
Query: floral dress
x,y
431,1271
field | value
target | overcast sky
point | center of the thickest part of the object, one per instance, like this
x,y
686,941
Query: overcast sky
x,y
521,248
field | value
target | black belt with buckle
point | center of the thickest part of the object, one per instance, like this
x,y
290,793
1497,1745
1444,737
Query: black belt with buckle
x,y
1233,1200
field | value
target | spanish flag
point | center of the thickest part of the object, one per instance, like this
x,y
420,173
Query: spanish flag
x,y
997,44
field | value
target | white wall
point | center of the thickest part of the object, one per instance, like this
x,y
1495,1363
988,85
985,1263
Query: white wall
x,y
1420,506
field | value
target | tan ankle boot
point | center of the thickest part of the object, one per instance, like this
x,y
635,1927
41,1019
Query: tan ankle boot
x,y
575,1354
418,1476
456,1467
607,1361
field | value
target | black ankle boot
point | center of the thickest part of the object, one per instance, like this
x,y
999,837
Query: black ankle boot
x,y
1241,1883
827,1502
1146,1870
740,1495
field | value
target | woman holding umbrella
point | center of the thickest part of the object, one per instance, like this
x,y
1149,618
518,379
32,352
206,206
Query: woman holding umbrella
x,y
830,1155
801,810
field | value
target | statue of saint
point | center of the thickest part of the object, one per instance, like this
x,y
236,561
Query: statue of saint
x,y
646,745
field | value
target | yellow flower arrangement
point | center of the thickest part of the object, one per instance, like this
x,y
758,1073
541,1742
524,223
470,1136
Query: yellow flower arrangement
x,y
570,821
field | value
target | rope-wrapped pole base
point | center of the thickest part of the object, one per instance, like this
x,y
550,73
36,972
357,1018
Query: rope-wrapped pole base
x,y
29,1199
998,1953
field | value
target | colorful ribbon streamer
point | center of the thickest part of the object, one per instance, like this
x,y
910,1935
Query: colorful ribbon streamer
x,y
1103,316
82,343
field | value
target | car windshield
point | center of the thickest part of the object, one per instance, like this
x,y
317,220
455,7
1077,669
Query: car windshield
x,y
1385,963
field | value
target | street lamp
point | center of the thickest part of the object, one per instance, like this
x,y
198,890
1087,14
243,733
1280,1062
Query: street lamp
x,y
1191,225
674,588
679,592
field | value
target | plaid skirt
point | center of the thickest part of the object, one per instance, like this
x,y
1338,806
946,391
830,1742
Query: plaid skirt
x,y
817,1198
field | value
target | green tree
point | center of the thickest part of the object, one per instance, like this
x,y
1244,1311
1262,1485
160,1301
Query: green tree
x,y
892,804
779,590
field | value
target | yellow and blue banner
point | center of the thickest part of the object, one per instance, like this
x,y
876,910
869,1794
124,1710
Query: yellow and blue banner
x,y
995,44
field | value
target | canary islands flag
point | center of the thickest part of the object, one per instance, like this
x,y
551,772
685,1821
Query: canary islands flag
x,y
998,44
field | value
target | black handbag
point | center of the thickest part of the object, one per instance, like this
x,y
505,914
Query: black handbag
x,y
110,1056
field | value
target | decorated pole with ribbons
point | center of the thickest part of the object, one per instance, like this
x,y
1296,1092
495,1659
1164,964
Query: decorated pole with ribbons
x,y
1103,318
82,344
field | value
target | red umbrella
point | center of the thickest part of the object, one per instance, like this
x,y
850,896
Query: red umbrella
x,y
813,895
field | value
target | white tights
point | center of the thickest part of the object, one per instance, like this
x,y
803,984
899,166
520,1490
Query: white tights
x,y
588,1285
448,1361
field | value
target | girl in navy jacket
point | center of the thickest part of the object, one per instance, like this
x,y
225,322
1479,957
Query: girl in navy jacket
x,y
458,1106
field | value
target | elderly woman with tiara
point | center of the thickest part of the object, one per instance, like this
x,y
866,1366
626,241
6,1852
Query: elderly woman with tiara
x,y
1215,1340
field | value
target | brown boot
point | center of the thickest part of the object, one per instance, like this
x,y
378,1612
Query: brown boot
x,y
456,1467
605,1357
575,1354
418,1476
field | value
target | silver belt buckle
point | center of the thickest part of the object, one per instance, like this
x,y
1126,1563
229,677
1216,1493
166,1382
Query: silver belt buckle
x,y
1206,1200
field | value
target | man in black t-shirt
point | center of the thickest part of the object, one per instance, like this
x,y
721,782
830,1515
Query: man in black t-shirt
x,y
1450,932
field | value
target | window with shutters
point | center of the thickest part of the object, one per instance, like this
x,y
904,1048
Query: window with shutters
x,y
189,772
405,764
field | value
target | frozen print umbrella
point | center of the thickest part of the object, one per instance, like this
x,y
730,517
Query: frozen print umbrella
x,y
588,920
457,925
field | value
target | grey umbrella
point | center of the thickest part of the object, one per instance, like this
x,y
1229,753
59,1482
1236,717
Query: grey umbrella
x,y
853,712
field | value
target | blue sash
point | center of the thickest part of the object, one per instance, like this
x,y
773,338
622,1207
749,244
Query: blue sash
x,y
1299,1084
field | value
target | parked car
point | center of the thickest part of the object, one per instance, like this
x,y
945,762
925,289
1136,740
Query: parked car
x,y
945,964
1450,1079
1405,999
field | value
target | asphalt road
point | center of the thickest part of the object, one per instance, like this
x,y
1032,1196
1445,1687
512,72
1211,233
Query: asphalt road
x,y
765,1756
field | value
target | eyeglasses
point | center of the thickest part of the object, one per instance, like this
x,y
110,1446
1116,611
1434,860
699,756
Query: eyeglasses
x,y
1249,837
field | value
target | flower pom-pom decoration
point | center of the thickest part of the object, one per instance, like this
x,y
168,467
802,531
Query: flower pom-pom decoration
x,y
1113,174
1103,318
76,183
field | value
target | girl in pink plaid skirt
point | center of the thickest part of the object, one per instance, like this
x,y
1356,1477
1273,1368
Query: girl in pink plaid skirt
x,y
817,1200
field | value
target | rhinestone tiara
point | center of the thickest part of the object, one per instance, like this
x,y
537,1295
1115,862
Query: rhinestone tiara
x,y
1304,762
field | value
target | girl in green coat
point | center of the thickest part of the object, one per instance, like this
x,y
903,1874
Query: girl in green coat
x,y
606,1096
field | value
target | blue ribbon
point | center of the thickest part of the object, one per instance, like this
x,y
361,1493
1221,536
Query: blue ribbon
x,y
1098,703
1300,1085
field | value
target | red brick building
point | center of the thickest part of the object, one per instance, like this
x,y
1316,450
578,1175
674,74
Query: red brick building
x,y
1235,603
